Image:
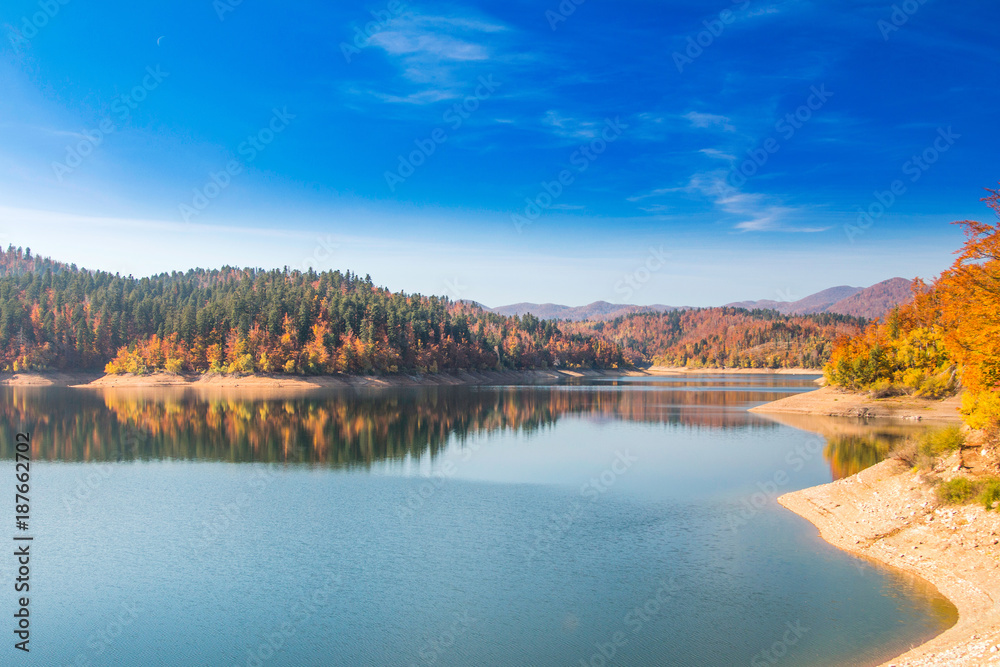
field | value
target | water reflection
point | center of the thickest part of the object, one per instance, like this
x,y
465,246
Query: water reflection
x,y
334,428
362,427
853,444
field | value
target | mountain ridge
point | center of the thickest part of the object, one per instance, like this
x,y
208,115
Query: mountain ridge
x,y
871,302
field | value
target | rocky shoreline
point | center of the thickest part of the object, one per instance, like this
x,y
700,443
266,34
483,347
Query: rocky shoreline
x,y
834,402
890,514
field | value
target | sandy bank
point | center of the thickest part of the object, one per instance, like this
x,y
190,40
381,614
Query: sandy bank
x,y
99,380
684,370
48,379
837,403
890,514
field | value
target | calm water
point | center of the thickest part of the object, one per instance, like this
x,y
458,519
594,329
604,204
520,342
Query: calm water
x,y
627,523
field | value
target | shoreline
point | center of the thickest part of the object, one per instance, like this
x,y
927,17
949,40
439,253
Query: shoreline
x,y
96,380
889,514
684,370
833,402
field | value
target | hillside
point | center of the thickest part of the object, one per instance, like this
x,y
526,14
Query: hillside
x,y
724,337
874,302
868,302
252,320
814,303
54,316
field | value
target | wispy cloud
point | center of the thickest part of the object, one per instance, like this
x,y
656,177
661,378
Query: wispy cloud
x,y
434,53
569,127
756,212
709,120
659,192
714,152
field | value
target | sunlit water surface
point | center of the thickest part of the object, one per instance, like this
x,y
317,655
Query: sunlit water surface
x,y
627,522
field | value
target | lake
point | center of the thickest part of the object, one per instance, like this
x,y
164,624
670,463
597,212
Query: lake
x,y
611,522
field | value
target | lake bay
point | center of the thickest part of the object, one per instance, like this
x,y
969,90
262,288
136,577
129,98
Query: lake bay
x,y
628,521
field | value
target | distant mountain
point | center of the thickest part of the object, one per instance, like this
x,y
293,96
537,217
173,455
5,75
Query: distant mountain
x,y
875,301
814,303
869,302
599,310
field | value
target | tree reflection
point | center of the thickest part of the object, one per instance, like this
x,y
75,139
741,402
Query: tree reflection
x,y
335,427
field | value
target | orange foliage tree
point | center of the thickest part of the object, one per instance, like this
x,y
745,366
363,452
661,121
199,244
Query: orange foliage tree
x,y
950,333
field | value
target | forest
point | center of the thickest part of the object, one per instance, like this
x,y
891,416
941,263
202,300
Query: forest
x,y
946,340
56,316
724,337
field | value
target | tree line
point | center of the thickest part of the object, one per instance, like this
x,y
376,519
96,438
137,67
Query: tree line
x,y
947,339
725,337
56,316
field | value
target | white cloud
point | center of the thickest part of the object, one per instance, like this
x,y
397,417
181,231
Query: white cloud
x,y
712,152
759,212
709,120
435,52
571,128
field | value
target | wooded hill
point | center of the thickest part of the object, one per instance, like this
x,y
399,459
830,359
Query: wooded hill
x,y
724,337
55,316
231,320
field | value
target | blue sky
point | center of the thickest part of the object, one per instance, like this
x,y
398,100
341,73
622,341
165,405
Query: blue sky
x,y
711,151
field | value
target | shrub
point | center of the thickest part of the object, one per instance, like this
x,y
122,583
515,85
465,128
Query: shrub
x,y
981,408
884,388
126,362
243,364
990,492
939,385
174,366
941,441
921,452
957,491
